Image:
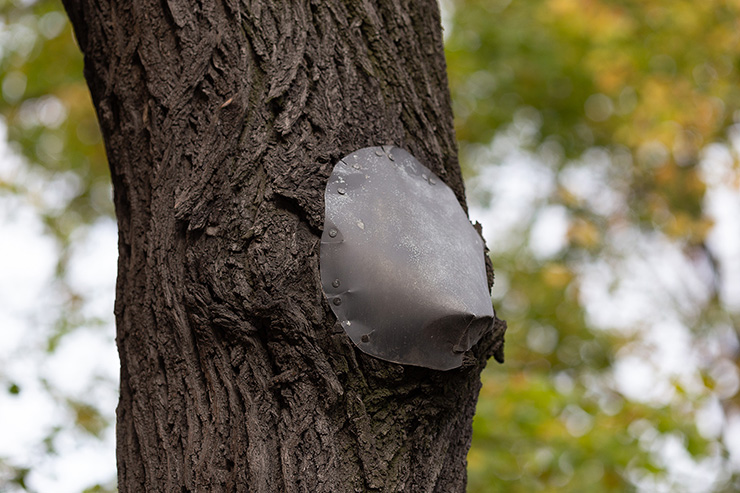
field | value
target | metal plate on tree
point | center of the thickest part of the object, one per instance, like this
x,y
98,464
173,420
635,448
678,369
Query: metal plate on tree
x,y
401,265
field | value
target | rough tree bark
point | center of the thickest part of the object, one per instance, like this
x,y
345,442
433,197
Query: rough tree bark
x,y
222,120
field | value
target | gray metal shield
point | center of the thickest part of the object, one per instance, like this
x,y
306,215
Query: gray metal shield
x,y
401,265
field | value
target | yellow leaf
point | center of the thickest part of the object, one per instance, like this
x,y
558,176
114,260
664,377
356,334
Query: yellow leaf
x,y
556,275
584,234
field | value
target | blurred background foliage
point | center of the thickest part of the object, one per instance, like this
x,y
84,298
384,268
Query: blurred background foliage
x,y
623,307
55,166
600,145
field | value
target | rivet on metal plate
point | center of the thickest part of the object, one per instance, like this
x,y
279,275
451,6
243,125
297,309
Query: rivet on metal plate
x,y
341,191
415,267
336,283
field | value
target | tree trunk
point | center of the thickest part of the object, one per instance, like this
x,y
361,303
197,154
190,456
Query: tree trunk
x,y
222,121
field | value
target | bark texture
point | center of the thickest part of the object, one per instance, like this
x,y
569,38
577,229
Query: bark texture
x,y
222,120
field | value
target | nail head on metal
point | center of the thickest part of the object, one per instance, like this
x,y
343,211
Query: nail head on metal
x,y
365,338
336,283
341,191
333,233
337,301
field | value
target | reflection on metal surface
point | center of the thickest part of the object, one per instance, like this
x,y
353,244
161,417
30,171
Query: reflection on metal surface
x,y
400,263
